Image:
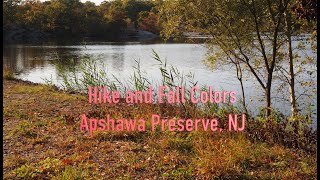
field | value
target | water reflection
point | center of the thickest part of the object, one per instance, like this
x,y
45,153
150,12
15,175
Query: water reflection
x,y
19,59
117,58
36,63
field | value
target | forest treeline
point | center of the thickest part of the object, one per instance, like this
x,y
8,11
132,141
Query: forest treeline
x,y
72,17
110,19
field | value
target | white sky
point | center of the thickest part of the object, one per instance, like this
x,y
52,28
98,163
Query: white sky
x,y
97,2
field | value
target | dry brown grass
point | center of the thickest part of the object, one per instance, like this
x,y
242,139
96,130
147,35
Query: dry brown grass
x,y
42,140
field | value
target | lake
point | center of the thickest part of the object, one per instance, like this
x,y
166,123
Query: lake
x,y
36,63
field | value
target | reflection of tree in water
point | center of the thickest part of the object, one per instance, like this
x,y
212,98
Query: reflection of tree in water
x,y
20,59
117,59
63,62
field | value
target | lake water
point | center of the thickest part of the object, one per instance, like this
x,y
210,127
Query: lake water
x,y
37,62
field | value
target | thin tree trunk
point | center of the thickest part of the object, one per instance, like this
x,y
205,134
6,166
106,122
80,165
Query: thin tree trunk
x,y
239,76
243,98
291,70
268,99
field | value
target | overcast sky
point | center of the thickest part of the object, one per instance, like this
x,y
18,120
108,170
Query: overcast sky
x,y
97,2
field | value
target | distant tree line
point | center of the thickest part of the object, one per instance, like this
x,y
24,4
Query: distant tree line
x,y
72,17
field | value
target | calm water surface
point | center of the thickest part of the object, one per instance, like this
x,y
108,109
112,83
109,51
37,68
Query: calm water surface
x,y
36,63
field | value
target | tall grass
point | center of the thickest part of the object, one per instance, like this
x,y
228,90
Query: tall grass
x,y
7,73
90,72
291,132
78,77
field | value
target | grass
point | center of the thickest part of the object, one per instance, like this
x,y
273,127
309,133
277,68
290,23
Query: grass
x,y
7,74
42,140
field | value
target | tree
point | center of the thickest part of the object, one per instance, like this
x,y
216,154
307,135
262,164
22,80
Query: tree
x,y
114,15
133,7
305,11
244,31
72,17
149,21
32,14
10,11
